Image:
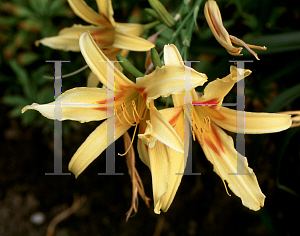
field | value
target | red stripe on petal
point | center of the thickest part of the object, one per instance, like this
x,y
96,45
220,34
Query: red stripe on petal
x,y
174,118
102,105
213,141
141,91
105,17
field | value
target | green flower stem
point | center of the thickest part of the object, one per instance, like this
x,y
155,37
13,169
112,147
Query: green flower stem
x,y
151,25
176,33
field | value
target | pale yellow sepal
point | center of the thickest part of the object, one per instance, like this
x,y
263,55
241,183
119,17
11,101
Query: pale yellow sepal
x,y
106,9
79,104
172,56
167,80
97,62
131,28
86,13
216,90
219,150
93,146
158,128
128,41
254,122
166,164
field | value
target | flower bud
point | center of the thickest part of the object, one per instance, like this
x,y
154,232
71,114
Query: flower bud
x,y
164,16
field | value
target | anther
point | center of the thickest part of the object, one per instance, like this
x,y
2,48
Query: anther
x,y
207,124
136,112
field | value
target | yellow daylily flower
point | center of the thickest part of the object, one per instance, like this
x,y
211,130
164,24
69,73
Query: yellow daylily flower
x,y
165,163
90,104
216,144
214,20
112,37
164,154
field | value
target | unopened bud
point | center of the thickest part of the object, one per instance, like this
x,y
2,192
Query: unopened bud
x,y
155,58
164,16
129,67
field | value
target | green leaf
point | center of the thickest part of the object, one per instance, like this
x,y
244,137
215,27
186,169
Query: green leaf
x,y
21,73
8,20
276,43
57,8
38,75
28,117
13,100
284,99
196,10
22,11
27,58
45,95
22,77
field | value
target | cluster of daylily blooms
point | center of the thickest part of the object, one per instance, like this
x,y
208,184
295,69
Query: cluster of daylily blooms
x,y
161,133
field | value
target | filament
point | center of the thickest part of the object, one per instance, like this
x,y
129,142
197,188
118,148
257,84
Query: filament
x,y
130,143
67,75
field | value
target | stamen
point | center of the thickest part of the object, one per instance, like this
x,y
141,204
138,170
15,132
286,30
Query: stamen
x,y
118,116
130,143
123,107
134,108
207,124
67,75
226,188
201,136
193,132
135,120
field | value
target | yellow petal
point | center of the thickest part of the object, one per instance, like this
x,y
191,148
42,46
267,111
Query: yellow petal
x,y
76,30
131,42
162,130
219,150
167,80
141,146
68,38
86,13
166,164
96,59
177,160
106,9
160,172
172,56
255,122
216,90
102,35
93,146
131,28
65,43
80,104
